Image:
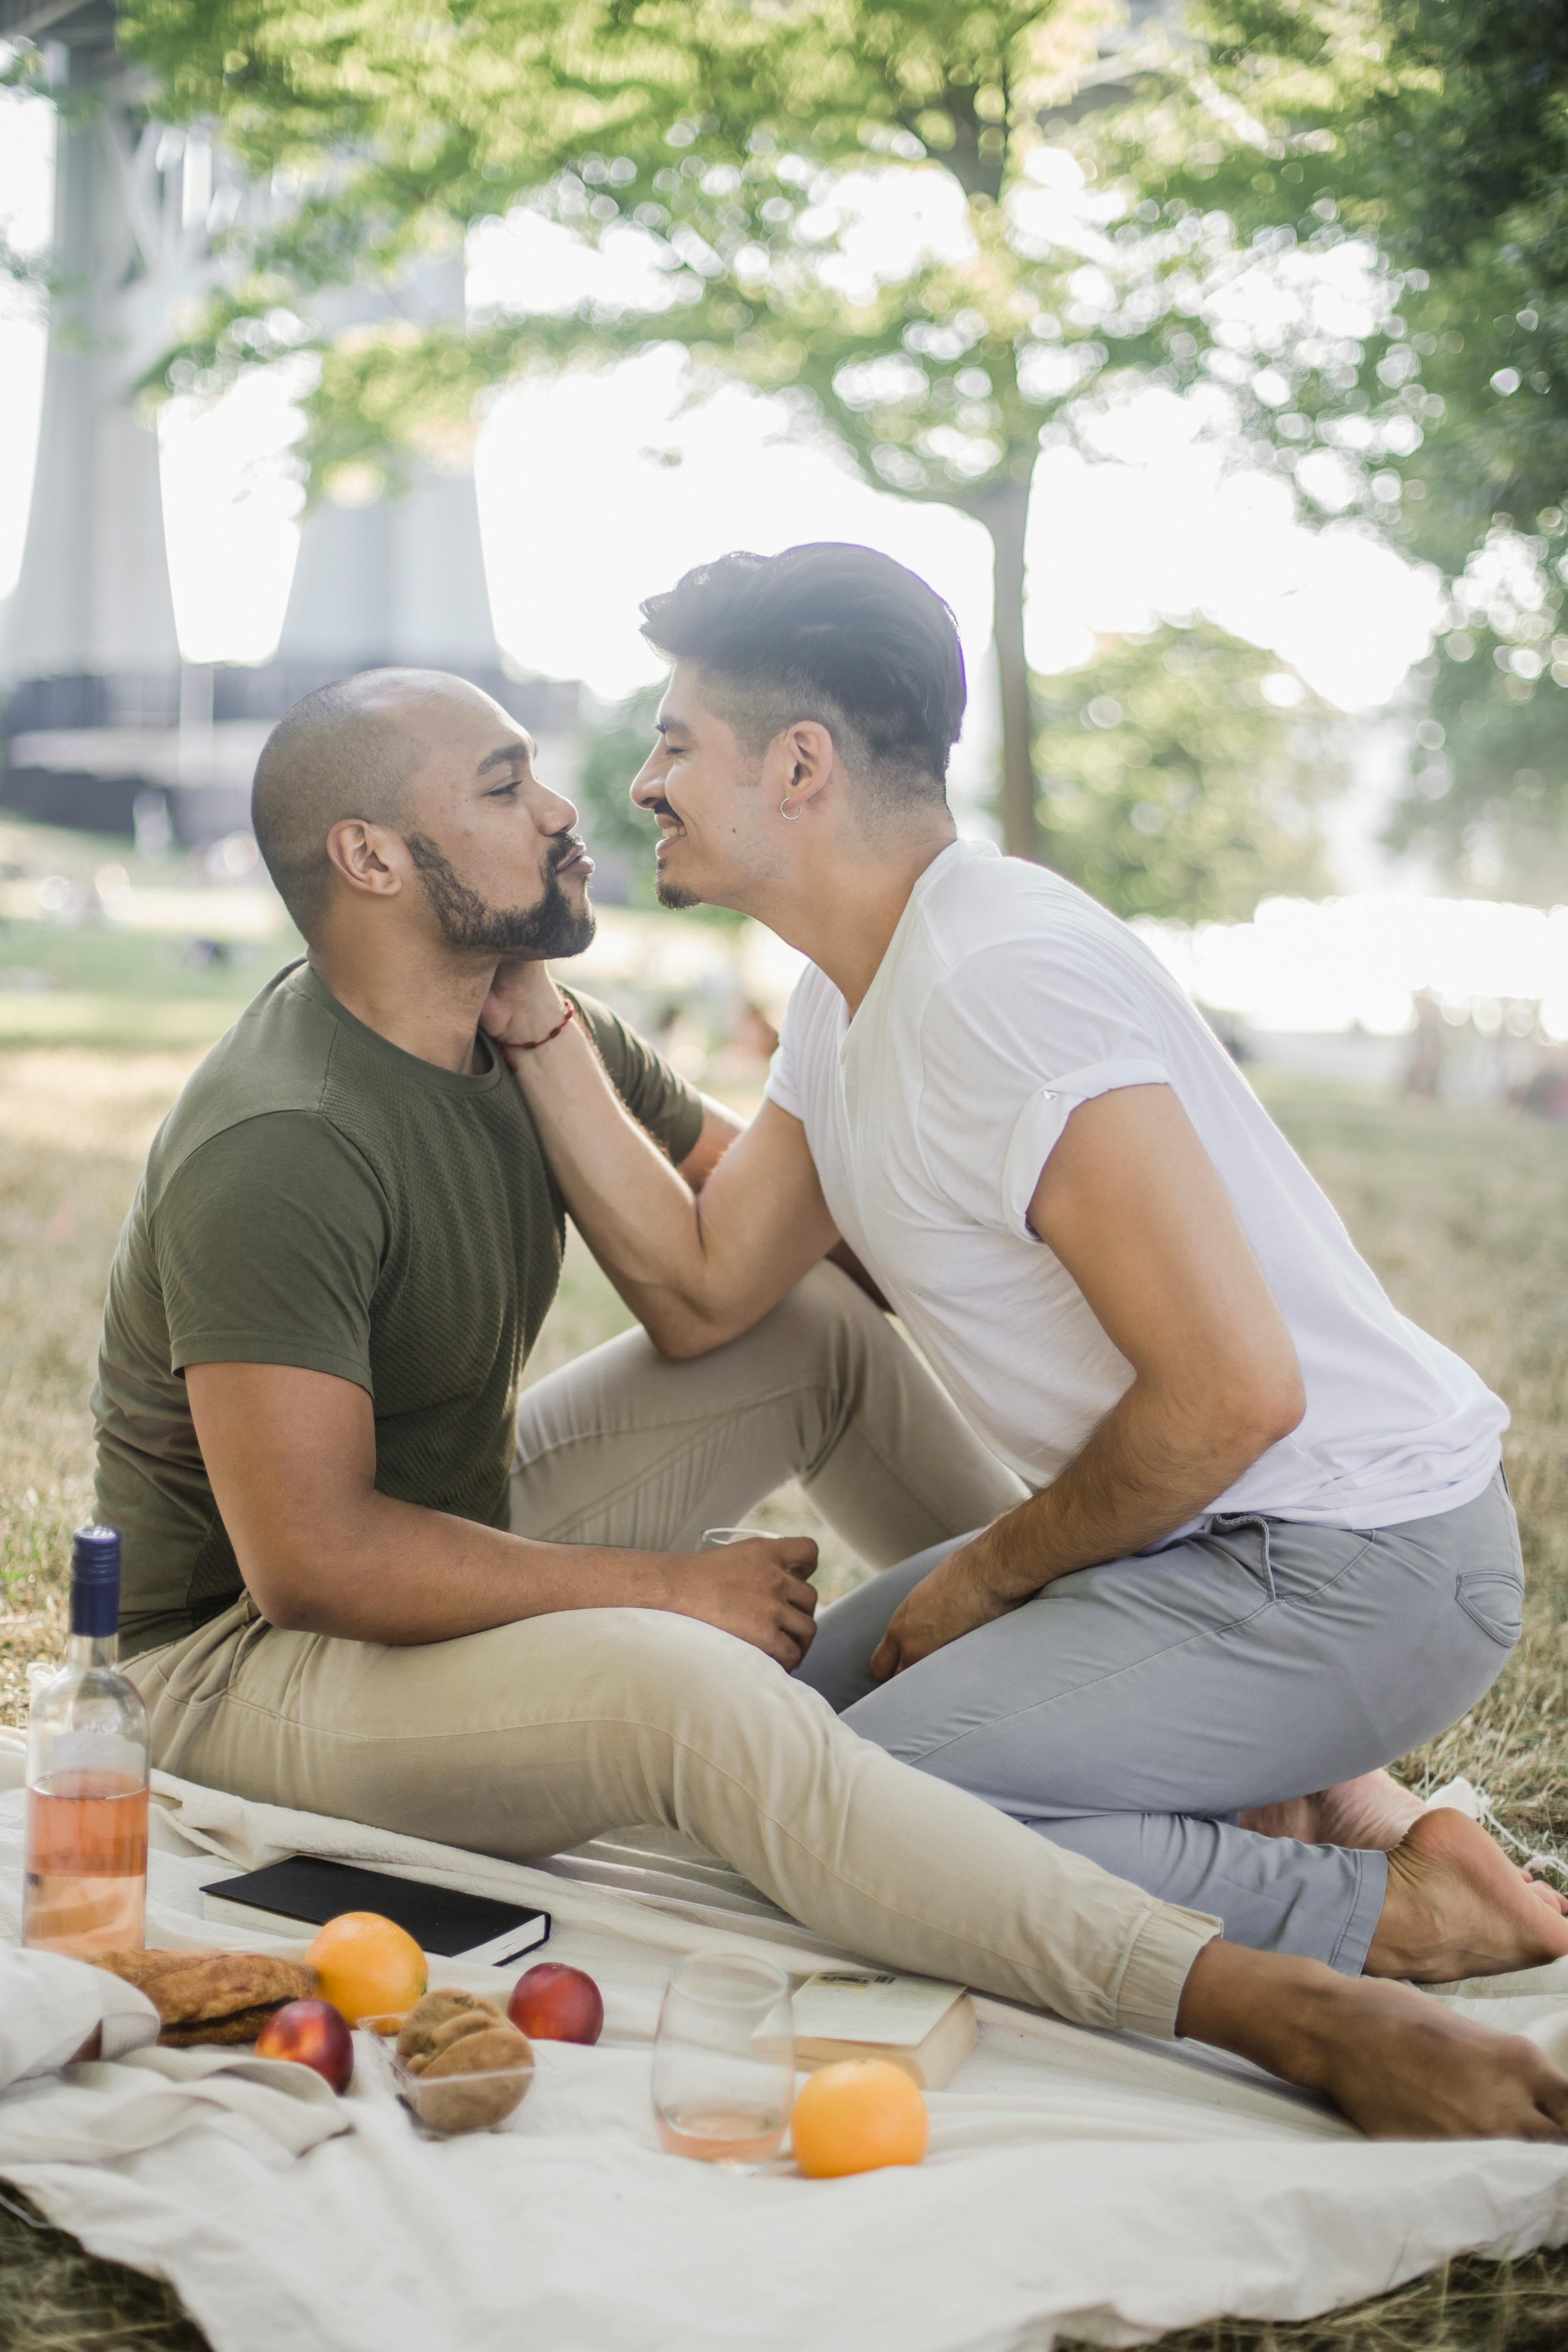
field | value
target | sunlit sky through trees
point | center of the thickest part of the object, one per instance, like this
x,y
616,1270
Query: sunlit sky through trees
x,y
596,489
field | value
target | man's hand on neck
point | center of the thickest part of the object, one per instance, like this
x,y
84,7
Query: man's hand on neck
x,y
521,1004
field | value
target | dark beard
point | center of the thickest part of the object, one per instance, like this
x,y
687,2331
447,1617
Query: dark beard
x,y
470,922
670,894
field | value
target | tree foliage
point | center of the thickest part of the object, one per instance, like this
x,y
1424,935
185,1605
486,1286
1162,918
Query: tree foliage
x,y
1487,801
1439,129
1184,771
731,154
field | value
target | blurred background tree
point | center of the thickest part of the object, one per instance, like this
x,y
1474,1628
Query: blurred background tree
x,y
734,156
1437,129
1184,770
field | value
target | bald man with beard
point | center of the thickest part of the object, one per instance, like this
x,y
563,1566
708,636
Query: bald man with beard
x,y
358,1580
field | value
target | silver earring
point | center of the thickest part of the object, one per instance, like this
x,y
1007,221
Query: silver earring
x,y
784,812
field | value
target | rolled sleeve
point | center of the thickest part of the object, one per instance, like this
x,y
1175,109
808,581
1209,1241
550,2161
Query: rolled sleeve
x,y
1038,1127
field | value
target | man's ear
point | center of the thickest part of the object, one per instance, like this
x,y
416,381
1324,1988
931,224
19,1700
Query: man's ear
x,y
370,859
798,764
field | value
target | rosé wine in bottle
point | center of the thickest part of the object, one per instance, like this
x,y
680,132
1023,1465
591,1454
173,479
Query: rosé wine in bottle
x,y
86,1886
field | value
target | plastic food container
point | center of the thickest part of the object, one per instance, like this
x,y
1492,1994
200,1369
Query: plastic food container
x,y
443,2105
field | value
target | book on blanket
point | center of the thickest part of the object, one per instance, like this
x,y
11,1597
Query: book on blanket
x,y
307,1891
927,2029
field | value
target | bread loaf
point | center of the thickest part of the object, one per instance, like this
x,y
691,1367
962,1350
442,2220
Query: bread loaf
x,y
223,1997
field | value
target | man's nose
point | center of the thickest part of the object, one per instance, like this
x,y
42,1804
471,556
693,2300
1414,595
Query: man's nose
x,y
647,786
552,812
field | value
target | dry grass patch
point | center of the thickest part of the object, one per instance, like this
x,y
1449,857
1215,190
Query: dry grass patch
x,y
1464,1214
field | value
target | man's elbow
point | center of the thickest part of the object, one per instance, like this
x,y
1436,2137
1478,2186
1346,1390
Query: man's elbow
x,y
678,1339
1263,1408
282,1600
286,1583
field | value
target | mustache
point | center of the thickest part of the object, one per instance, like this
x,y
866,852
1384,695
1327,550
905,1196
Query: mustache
x,y
567,846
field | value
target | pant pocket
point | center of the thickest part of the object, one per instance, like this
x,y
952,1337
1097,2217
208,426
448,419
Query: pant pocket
x,y
1493,1599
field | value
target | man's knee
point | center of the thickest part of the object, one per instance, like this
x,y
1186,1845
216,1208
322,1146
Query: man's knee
x,y
656,1666
827,1331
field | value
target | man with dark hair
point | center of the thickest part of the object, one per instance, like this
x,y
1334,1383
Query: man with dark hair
x,y
839,629
354,1585
1263,1543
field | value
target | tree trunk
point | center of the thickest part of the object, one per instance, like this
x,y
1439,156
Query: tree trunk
x,y
1005,512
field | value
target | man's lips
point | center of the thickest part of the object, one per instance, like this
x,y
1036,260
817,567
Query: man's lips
x,y
579,863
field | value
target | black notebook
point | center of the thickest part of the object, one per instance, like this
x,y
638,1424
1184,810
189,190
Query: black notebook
x,y
308,1892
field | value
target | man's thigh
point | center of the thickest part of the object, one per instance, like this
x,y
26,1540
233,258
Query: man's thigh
x,y
623,1448
1236,1669
519,1741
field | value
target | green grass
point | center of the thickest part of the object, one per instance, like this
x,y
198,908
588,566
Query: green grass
x,y
1463,1213
89,984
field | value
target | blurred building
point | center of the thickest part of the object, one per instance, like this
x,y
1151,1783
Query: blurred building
x,y
104,724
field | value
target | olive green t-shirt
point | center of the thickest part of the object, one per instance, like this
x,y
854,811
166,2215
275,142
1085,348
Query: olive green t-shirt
x,y
318,1197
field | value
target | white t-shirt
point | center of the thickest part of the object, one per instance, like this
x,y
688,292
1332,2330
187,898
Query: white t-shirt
x,y
1007,998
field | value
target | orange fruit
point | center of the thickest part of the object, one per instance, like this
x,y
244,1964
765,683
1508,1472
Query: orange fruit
x,y
367,1966
856,2116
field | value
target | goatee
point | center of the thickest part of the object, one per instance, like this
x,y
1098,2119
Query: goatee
x,y
551,928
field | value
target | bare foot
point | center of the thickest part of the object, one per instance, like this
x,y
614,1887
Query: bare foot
x,y
1370,1811
1457,1907
1392,2059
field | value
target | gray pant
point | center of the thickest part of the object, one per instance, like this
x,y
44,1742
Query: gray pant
x,y
1131,1711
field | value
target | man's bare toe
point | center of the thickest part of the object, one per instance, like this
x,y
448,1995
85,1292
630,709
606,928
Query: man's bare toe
x,y
1457,1908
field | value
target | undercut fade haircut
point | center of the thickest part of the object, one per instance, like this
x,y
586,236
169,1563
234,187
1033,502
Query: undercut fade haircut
x,y
337,753
834,633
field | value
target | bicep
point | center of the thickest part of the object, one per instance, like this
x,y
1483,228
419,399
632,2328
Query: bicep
x,y
1135,1210
286,1452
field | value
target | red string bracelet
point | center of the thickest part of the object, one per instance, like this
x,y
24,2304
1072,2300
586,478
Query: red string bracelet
x,y
533,1045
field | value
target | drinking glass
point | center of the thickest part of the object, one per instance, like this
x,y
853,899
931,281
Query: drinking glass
x,y
723,2059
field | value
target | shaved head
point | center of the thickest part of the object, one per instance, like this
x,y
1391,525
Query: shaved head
x,y
347,750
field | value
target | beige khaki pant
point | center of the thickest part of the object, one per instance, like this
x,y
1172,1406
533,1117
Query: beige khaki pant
x,y
531,1738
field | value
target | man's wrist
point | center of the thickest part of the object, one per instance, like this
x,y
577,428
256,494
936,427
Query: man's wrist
x,y
535,1009
1003,1563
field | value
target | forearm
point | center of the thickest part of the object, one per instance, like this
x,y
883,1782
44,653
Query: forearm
x,y
382,1571
1155,1462
638,1216
695,1272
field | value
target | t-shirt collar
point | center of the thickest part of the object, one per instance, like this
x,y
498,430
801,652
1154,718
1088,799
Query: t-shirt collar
x,y
309,982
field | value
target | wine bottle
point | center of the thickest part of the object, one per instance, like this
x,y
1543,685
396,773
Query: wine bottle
x,y
86,1888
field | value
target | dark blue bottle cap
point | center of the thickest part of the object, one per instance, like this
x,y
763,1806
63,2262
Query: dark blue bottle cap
x,y
95,1581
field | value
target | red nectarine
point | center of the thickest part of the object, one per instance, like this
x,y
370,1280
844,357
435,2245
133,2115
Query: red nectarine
x,y
552,2003
313,2034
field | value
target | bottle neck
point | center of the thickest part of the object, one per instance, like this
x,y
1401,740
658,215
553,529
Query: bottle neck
x,y
84,1650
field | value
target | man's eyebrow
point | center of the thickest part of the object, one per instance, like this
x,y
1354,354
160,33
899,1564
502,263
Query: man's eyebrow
x,y
505,753
667,720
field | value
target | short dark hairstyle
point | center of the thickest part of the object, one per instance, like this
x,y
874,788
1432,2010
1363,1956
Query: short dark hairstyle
x,y
831,632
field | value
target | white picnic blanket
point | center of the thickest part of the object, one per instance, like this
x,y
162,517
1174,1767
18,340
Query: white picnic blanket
x,y
1077,2183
